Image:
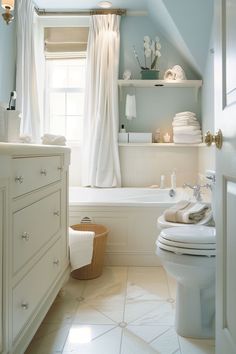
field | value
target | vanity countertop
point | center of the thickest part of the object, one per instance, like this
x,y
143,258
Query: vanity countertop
x,y
19,149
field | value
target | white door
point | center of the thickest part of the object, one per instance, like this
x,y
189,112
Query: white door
x,y
225,112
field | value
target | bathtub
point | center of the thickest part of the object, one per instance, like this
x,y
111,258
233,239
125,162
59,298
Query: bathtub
x,y
130,215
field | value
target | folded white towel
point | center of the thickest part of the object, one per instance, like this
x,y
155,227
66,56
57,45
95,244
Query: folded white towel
x,y
185,128
130,107
187,133
183,139
186,122
81,248
51,139
187,113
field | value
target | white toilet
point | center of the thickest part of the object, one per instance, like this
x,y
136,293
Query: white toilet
x,y
188,254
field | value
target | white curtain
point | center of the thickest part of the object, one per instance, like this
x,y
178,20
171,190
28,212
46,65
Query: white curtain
x,y
100,166
26,77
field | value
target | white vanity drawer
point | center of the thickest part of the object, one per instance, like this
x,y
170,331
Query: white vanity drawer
x,y
33,173
33,227
33,288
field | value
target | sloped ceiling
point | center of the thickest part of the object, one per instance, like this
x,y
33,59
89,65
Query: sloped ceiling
x,y
185,23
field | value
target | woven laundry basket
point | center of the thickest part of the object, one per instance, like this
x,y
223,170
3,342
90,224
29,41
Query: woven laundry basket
x,y
94,269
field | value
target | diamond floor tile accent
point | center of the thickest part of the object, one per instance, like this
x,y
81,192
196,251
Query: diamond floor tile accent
x,y
128,310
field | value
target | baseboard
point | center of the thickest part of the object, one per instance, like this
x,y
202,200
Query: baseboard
x,y
141,259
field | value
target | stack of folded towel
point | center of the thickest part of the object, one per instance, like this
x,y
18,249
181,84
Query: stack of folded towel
x,y
187,212
51,139
186,128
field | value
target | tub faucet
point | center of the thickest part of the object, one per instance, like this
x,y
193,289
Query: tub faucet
x,y
197,190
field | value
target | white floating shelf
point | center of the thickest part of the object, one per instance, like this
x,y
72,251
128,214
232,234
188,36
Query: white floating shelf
x,y
160,83
160,145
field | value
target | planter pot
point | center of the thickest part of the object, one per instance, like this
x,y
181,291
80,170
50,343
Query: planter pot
x,y
150,74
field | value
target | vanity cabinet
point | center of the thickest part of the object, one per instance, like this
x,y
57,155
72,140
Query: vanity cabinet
x,y
36,244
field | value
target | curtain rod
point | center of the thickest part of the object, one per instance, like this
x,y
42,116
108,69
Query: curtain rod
x,y
43,12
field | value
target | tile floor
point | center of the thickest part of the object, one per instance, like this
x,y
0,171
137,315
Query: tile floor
x,y
128,310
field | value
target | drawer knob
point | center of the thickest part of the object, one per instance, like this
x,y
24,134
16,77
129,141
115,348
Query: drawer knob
x,y
24,306
43,172
56,213
56,262
19,179
25,236
59,168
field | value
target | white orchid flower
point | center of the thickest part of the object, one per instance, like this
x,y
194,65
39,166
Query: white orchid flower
x,y
146,45
153,46
158,53
148,53
146,39
158,46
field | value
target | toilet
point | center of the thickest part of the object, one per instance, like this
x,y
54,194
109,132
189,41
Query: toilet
x,y
187,252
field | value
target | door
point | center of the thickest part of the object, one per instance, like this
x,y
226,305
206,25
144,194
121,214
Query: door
x,y
225,119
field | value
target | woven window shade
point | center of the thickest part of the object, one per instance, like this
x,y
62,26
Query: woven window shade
x,y
68,41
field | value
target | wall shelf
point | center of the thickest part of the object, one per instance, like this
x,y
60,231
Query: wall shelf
x,y
160,83
161,145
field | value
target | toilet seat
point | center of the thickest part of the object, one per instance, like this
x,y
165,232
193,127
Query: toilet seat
x,y
190,240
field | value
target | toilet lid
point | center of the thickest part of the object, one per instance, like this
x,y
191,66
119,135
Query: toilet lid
x,y
192,240
190,234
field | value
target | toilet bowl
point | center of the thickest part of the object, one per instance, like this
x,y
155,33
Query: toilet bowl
x,y
187,252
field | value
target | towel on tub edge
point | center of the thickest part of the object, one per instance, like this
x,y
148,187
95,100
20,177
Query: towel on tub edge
x,y
186,212
81,248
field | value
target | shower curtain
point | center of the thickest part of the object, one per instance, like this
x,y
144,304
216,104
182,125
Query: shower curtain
x,y
26,77
100,156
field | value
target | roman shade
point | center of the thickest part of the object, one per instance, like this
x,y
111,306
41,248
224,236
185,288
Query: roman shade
x,y
59,41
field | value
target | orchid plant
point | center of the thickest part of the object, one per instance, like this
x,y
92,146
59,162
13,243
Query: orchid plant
x,y
151,49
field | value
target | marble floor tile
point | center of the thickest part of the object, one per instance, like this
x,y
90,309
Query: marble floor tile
x,y
134,344
147,283
196,346
72,290
93,340
167,343
147,333
61,311
49,339
86,314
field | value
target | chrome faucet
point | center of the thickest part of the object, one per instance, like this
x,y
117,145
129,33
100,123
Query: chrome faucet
x,y
197,190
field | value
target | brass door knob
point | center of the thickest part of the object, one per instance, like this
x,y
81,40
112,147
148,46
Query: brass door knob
x,y
217,139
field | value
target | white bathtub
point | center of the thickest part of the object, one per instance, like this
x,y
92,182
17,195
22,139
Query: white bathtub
x,y
130,214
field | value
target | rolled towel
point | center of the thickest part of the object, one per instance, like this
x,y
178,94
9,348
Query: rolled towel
x,y
186,212
51,139
130,107
81,248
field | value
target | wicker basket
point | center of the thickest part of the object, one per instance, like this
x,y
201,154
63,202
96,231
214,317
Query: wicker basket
x,y
94,269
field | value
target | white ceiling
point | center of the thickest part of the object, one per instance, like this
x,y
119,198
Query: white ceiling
x,y
130,5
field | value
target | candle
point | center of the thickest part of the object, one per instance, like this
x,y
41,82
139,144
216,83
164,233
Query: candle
x,y
166,138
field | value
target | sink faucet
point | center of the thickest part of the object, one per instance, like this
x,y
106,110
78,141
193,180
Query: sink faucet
x,y
197,190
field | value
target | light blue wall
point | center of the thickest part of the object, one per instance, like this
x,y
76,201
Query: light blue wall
x,y
193,20
155,107
7,59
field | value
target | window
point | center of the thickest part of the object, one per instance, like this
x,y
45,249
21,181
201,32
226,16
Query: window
x,y
64,97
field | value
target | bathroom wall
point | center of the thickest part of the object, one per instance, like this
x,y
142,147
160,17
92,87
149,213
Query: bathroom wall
x,y
7,58
156,106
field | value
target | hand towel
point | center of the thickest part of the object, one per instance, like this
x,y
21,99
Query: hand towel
x,y
186,212
130,107
81,248
51,139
